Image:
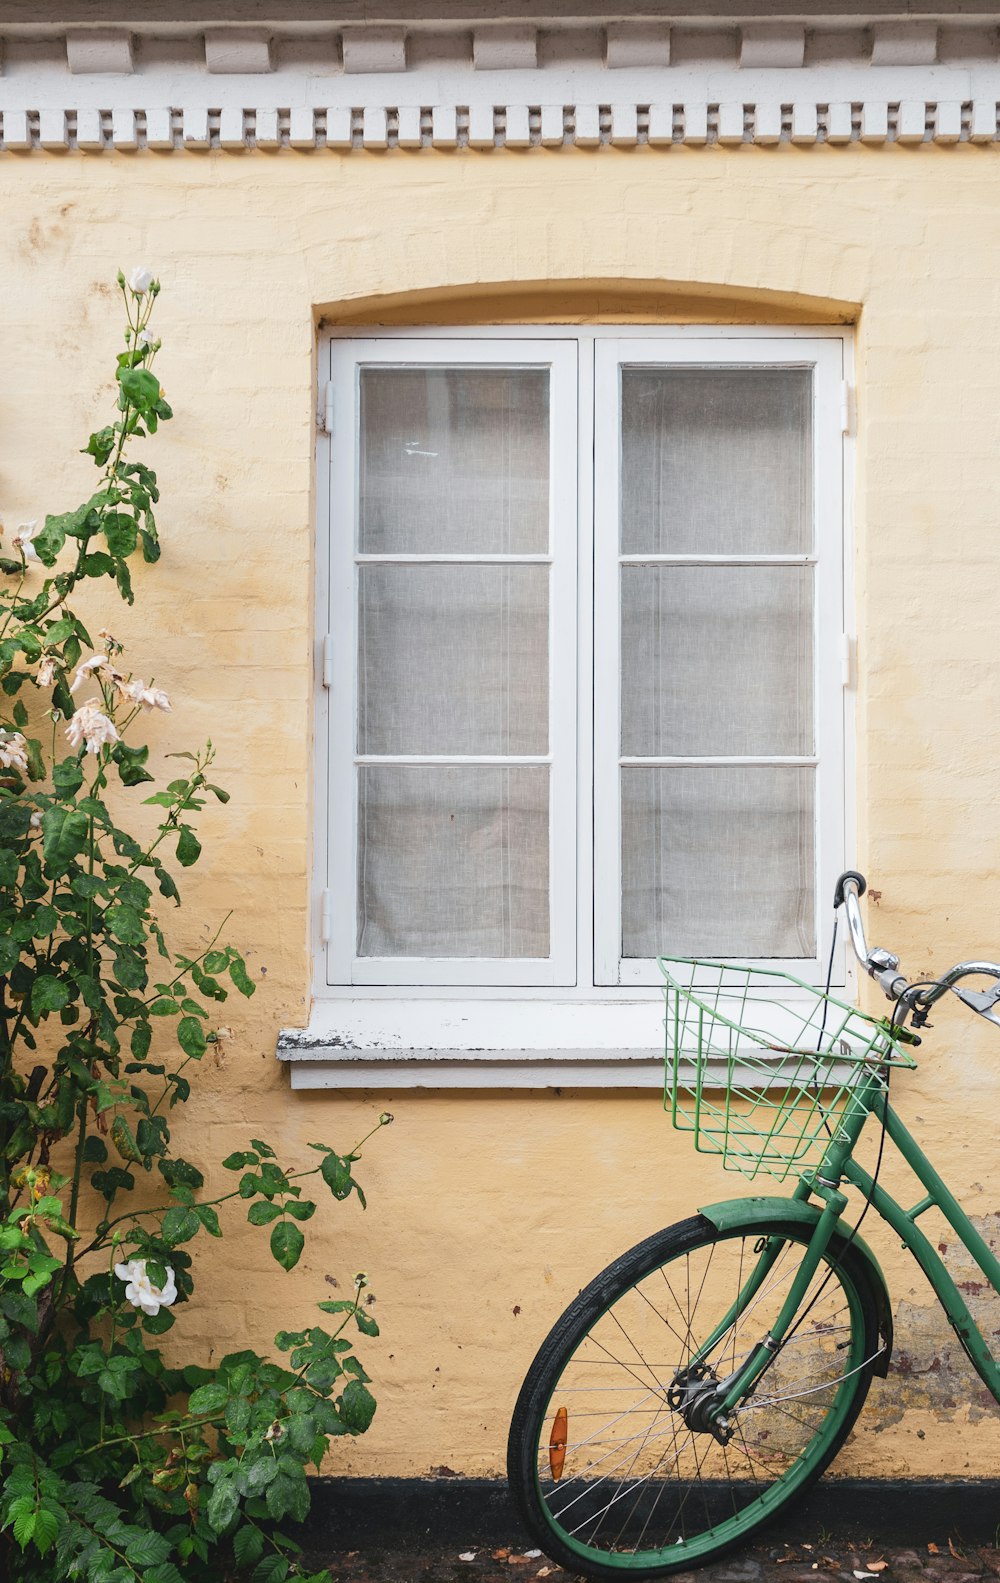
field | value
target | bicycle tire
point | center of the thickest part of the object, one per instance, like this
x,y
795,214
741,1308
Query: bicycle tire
x,y
845,1353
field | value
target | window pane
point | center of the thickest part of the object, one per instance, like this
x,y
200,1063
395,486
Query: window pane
x,y
453,659
454,460
453,862
717,660
716,461
718,862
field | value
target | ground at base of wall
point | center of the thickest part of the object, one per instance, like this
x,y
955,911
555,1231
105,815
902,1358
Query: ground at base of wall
x,y
782,1563
845,1531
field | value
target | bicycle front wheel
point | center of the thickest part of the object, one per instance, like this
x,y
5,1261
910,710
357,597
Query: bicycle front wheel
x,y
607,1462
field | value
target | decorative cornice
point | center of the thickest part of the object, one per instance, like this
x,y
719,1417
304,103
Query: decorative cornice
x,y
490,127
513,86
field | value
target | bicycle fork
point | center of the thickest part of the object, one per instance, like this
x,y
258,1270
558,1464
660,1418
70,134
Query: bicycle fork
x,y
706,1402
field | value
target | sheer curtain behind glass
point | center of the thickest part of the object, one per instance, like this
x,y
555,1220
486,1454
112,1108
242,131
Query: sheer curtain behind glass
x,y
453,857
717,662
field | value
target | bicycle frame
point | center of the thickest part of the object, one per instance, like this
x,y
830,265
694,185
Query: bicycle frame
x,y
837,1166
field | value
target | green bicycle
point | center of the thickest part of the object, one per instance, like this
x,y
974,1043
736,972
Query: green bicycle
x,y
711,1374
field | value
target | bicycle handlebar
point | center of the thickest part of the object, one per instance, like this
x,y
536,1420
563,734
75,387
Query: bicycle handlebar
x,y
881,965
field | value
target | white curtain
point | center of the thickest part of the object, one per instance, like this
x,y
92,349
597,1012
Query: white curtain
x,y
717,661
453,660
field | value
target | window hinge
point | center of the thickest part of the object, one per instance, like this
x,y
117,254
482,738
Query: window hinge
x,y
326,917
324,411
328,660
846,406
847,652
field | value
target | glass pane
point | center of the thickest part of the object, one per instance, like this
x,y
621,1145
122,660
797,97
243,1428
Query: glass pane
x,y
717,660
718,862
454,460
716,461
453,862
453,659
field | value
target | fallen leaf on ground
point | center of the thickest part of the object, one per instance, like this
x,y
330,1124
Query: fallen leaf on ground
x,y
956,1553
858,1574
501,1555
532,1555
543,1572
467,1555
876,1566
933,1550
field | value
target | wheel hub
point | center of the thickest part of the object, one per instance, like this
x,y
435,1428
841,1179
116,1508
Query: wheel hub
x,y
695,1395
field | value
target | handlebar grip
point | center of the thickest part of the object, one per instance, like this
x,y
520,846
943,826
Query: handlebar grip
x,y
859,879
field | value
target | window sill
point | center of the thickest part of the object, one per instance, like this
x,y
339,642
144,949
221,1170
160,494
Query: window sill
x,y
477,1044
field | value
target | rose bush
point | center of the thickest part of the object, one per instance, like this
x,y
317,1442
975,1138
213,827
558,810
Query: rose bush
x,y
116,1464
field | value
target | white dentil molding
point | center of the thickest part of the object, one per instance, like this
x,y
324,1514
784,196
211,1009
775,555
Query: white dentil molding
x,y
515,86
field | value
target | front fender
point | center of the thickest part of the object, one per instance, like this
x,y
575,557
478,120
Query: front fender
x,y
736,1213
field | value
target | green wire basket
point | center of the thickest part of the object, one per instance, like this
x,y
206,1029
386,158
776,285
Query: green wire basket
x,y
761,1077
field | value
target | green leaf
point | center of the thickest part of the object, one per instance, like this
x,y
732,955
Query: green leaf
x,y
248,1546
147,1548
157,1324
100,445
120,531
357,1407
67,777
64,835
236,1162
300,1208
48,994
223,1504
209,1398
262,1213
165,1572
180,1225
263,1149
125,924
37,770
365,1323
273,1569
46,1529
142,1035
336,1173
50,540
240,977
95,1151
191,1037
287,1243
188,847
131,762
180,1173
124,1141
209,1219
139,386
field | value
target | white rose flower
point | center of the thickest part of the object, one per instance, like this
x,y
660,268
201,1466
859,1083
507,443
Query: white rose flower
x,y
140,280
146,337
36,820
89,725
139,1289
148,697
22,540
83,671
12,751
46,672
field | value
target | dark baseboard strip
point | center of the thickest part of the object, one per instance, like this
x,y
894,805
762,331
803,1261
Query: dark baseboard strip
x,y
359,1514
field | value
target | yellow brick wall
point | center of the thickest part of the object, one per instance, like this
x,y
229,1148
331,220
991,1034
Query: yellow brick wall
x,y
488,1210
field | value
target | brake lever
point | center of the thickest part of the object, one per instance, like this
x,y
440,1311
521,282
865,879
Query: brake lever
x,y
983,1001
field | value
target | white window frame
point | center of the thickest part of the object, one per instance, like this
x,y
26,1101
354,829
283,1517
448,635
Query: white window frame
x,y
344,966
584,1033
824,359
